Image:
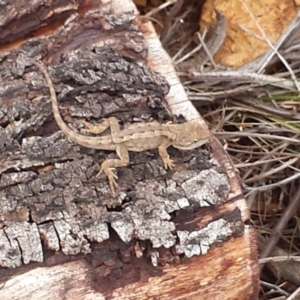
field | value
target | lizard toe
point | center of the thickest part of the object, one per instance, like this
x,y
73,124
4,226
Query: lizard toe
x,y
169,164
113,192
99,173
113,185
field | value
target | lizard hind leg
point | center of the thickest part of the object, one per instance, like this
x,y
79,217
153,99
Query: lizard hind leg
x,y
111,122
112,177
109,165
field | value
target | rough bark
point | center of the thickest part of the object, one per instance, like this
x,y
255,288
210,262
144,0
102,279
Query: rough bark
x,y
53,210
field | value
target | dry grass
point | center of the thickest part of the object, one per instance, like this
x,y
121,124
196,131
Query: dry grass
x,y
256,116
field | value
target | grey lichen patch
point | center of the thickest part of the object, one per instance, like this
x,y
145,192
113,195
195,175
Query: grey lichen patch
x,y
36,152
207,188
183,203
145,221
200,241
17,178
5,138
96,231
20,244
71,238
46,148
10,254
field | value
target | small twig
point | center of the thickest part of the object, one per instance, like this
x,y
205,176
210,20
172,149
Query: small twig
x,y
286,216
167,32
172,30
272,171
275,287
179,52
279,259
209,55
292,32
250,33
188,55
217,36
271,110
159,8
146,19
250,106
210,43
268,187
242,76
257,163
294,294
210,96
292,48
228,135
199,97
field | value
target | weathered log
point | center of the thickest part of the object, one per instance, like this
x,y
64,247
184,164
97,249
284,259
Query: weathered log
x,y
59,225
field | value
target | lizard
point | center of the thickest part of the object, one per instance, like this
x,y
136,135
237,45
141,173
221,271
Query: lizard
x,y
134,137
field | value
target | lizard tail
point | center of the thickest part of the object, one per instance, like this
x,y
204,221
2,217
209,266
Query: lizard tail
x,y
60,122
86,141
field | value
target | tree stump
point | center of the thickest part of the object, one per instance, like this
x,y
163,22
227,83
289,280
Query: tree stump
x,y
168,234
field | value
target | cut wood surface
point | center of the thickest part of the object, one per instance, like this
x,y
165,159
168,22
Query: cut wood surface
x,y
178,234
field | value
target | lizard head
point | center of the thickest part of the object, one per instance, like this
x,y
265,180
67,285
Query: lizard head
x,y
190,135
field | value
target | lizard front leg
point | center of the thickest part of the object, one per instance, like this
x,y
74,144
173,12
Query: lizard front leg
x,y
168,163
110,164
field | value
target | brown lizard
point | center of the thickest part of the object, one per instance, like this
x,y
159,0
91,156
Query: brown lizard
x,y
134,137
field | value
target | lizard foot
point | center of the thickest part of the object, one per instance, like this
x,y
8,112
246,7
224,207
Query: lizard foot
x,y
112,178
169,163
